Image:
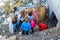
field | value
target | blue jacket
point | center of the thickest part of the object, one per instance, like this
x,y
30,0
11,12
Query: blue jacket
x,y
25,26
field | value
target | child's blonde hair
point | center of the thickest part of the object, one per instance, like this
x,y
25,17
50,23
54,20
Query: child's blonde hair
x,y
26,19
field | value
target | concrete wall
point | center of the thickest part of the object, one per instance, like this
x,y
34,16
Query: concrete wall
x,y
54,5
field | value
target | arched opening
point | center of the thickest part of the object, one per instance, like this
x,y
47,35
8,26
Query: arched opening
x,y
54,20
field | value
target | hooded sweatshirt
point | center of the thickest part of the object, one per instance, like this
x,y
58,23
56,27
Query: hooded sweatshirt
x,y
35,14
42,26
25,26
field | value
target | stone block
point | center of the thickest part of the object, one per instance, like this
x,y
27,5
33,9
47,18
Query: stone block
x,y
12,37
4,38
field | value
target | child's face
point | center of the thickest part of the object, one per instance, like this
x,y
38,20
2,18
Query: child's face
x,y
13,19
26,19
22,14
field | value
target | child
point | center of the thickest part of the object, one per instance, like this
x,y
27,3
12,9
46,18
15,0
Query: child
x,y
35,14
21,19
15,24
25,27
42,26
33,24
30,16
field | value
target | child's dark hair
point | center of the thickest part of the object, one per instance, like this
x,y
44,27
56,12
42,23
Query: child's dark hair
x,y
30,13
15,8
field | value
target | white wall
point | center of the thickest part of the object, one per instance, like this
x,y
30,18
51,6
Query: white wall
x,y
36,1
54,5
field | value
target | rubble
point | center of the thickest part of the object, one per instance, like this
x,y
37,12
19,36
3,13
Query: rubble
x,y
49,34
4,30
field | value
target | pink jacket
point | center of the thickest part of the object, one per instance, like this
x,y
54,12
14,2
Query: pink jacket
x,y
33,24
35,14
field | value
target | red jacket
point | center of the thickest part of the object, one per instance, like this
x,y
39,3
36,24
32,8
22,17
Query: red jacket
x,y
42,26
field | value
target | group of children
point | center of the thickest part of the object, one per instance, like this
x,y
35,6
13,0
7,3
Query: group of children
x,y
26,23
